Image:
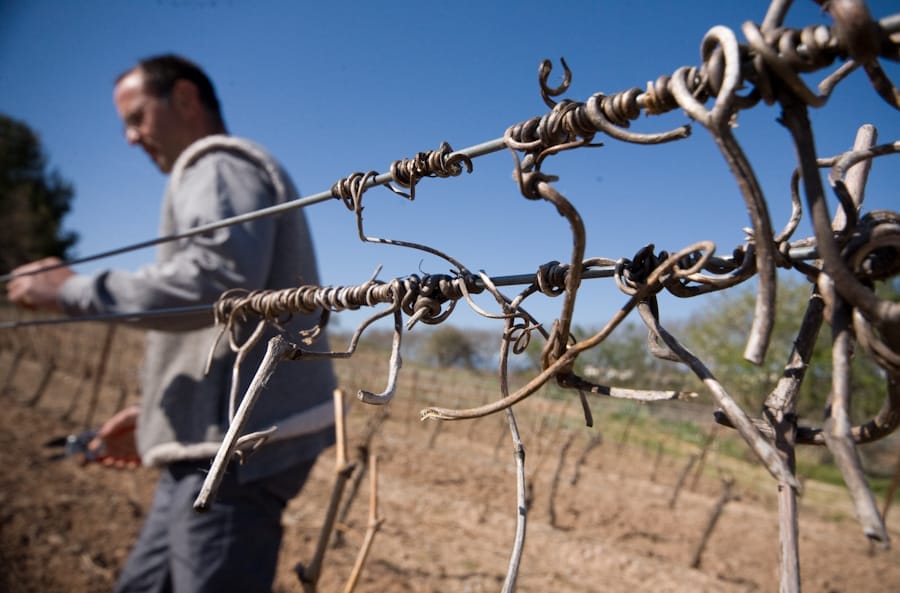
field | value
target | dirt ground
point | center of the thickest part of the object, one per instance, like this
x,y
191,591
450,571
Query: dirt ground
x,y
448,504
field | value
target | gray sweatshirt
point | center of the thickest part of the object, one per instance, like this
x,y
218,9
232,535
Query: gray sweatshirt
x,y
184,410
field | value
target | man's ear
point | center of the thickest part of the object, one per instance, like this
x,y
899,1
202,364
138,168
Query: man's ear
x,y
185,97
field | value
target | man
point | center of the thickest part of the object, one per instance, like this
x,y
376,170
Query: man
x,y
169,107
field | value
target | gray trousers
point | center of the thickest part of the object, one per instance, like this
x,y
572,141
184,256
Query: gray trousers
x,y
233,547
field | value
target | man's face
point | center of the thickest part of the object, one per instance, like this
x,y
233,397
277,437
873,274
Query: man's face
x,y
150,121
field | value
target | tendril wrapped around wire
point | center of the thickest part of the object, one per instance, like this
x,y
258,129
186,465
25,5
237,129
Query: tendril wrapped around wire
x,y
855,250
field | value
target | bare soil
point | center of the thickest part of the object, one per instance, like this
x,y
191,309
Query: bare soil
x,y
448,504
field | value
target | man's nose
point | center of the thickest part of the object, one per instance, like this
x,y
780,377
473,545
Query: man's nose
x,y
132,135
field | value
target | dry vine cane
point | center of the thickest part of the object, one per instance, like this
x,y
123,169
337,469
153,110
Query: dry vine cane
x,y
869,307
855,253
884,315
309,575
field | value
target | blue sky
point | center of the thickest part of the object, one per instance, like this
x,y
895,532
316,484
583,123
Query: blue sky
x,y
337,87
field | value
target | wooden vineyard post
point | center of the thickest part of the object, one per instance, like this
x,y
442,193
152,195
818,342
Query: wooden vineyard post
x,y
99,374
714,516
707,443
554,484
13,368
889,497
626,432
656,461
411,415
364,450
681,478
435,432
309,575
593,442
24,348
49,369
76,395
373,526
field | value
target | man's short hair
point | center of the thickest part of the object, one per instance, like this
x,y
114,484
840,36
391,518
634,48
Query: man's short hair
x,y
163,71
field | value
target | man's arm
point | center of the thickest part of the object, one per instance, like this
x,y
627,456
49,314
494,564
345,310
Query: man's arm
x,y
38,290
196,270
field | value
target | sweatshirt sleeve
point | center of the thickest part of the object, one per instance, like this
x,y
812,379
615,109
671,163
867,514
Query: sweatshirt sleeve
x,y
195,270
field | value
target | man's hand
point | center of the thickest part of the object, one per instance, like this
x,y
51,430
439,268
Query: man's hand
x,y
114,443
39,290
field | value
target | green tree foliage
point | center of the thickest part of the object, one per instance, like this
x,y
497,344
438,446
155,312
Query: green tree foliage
x,y
621,360
33,200
718,335
448,346
624,360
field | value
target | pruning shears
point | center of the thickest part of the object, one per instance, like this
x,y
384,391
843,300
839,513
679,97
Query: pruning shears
x,y
75,444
